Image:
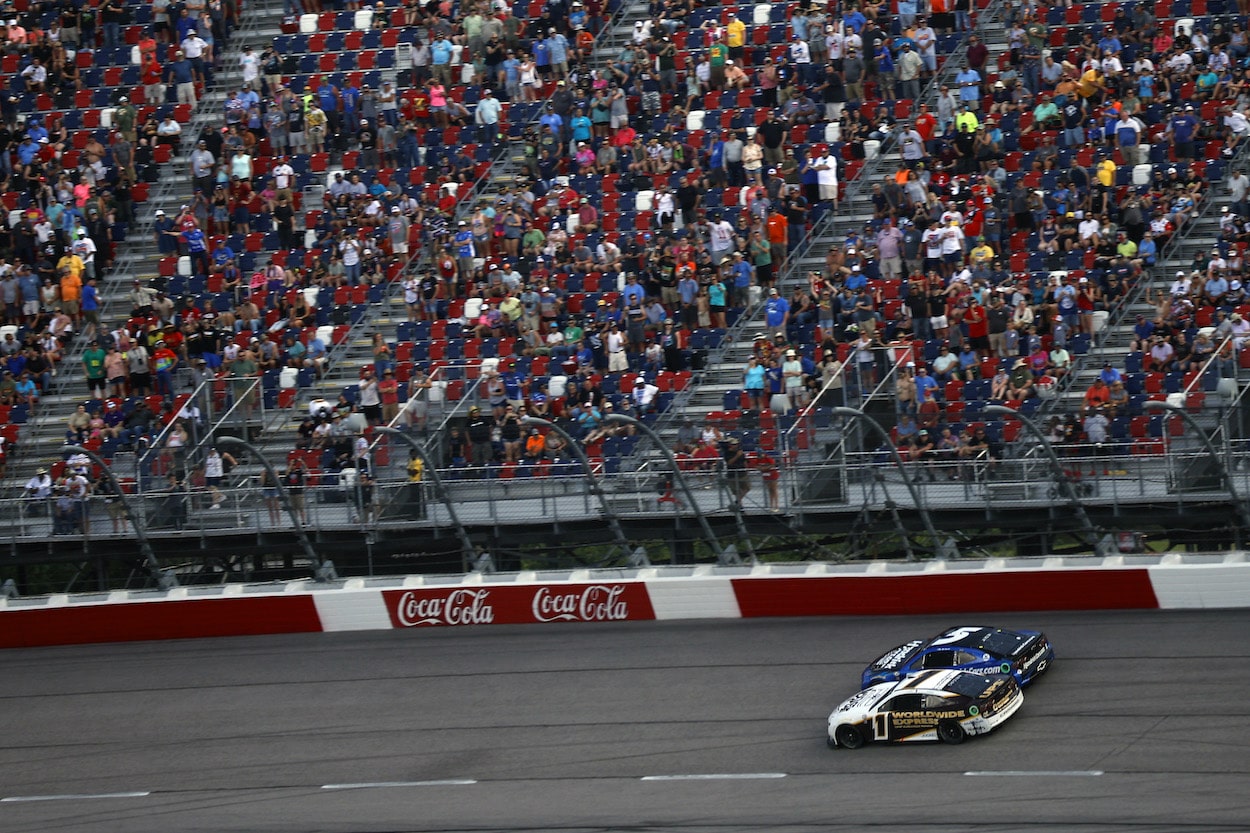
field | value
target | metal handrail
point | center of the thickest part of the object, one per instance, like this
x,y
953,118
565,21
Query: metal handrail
x,y
1135,297
1198,374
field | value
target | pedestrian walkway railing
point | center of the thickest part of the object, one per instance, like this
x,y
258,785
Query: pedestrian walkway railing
x,y
556,491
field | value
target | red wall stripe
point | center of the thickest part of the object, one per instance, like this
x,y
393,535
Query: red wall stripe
x,y
136,621
972,592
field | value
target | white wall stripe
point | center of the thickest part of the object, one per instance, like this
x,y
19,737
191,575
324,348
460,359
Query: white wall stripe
x,y
351,610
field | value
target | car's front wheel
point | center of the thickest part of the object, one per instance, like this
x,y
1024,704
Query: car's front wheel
x,y
951,732
848,736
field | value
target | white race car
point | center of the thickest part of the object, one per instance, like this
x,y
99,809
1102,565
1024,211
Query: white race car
x,y
943,704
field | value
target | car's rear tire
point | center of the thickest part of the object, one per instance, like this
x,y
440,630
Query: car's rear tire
x,y
849,737
951,732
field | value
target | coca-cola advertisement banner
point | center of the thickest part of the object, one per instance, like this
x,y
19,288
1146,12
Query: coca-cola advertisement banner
x,y
519,604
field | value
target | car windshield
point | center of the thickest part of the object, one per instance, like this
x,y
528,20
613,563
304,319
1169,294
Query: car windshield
x,y
970,685
1002,643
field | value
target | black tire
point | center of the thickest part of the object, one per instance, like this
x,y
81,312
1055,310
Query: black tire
x,y
951,732
848,737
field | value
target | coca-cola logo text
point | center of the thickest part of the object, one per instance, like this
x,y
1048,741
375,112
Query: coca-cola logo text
x,y
518,604
460,607
596,603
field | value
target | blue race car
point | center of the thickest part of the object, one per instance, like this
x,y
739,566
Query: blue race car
x,y
981,650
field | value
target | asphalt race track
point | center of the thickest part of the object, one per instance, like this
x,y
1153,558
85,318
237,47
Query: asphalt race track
x,y
1143,724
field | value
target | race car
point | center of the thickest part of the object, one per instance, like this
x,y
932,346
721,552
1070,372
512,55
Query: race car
x,y
1024,655
944,705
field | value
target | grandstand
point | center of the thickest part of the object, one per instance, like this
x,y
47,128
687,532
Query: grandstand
x,y
543,215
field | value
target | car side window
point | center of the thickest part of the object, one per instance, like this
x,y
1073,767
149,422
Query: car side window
x,y
904,703
965,658
939,659
934,701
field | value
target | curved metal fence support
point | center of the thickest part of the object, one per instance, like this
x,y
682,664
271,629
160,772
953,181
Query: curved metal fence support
x,y
596,488
678,477
284,495
1221,464
1061,474
140,522
940,547
466,543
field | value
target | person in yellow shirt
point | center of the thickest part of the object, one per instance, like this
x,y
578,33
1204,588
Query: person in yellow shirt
x,y
966,121
315,123
982,253
1106,173
73,263
1091,84
736,38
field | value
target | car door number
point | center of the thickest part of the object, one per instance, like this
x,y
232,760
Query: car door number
x,y
881,726
955,636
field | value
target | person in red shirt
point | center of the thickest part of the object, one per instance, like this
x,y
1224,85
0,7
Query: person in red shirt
x,y
926,124
240,194
185,221
978,328
778,231
705,457
152,76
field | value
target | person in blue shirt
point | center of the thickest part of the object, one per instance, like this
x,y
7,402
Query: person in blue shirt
x,y
633,293
1109,42
36,130
70,219
511,69
742,276
753,380
580,126
1147,251
553,120
885,70
28,291
1110,375
222,254
197,248
854,20
463,244
90,306
776,311
328,98
350,96
27,151
716,160
1181,130
440,60
558,47
856,280
969,81
542,59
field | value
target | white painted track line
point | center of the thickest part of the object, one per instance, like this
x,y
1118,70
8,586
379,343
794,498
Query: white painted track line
x,y
715,776
1043,773
375,785
72,797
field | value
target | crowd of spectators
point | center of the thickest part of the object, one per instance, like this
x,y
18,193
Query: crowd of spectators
x,y
660,195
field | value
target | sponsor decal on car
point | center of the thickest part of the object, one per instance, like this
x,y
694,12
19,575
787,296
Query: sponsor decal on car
x,y
1041,652
895,658
518,605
